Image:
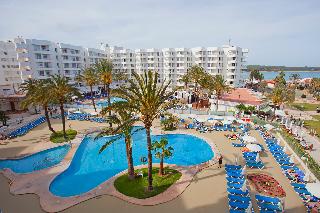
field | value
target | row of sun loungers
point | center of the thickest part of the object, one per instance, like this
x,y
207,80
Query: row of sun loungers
x,y
85,117
27,127
290,170
269,204
238,194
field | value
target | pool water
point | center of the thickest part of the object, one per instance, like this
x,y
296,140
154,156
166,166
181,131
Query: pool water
x,y
88,169
37,161
104,103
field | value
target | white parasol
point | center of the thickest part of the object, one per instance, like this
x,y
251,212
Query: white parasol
x,y
254,147
249,139
226,122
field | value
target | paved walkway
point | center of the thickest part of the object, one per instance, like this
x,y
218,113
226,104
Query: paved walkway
x,y
307,115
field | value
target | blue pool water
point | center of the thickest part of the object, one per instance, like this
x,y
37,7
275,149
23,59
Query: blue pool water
x,y
88,169
104,103
37,161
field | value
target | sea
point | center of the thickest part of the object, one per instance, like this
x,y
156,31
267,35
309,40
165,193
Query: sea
x,y
271,75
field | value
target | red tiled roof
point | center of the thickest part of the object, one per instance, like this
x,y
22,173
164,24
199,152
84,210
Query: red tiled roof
x,y
242,95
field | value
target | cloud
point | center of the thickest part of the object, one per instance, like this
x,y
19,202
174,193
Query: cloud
x,y
276,32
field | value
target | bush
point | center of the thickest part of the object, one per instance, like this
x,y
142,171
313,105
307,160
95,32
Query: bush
x,y
170,122
58,136
303,96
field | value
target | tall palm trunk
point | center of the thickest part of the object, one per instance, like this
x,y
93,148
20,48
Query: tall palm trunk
x,y
150,186
109,101
92,99
129,158
46,114
105,88
161,166
63,120
217,103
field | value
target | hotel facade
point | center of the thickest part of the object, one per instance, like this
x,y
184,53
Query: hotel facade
x,y
21,59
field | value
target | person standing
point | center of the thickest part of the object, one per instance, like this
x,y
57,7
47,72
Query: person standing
x,y
220,161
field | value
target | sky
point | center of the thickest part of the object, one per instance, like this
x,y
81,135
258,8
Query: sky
x,y
276,32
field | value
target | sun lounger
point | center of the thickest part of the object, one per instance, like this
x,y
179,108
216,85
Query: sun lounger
x,y
267,199
237,192
239,198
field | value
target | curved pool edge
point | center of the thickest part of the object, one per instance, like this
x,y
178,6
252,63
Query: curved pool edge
x,y
39,182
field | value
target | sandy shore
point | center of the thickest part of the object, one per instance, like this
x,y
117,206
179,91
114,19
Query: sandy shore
x,y
206,193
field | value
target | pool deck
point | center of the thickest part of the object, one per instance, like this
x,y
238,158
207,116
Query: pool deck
x,y
205,191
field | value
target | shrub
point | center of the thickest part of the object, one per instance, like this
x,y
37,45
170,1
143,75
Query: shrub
x,y
170,122
58,136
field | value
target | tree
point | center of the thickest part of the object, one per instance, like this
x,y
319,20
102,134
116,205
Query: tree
x,y
62,92
196,73
220,87
279,79
314,88
170,122
186,80
256,74
90,77
107,76
241,108
149,99
281,94
125,119
30,85
262,87
39,94
162,152
294,77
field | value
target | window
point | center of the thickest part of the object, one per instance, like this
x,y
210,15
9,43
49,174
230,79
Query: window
x,y
38,56
41,73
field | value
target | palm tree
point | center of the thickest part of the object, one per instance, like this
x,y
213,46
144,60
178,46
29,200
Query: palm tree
x,y
40,95
186,80
149,99
29,86
162,151
196,73
62,92
125,120
281,94
294,77
107,76
220,87
90,77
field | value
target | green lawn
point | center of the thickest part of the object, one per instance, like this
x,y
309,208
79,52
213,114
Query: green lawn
x,y
305,106
312,124
138,187
316,117
58,136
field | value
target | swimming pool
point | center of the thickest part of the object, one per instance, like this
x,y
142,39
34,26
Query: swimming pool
x,y
88,169
104,103
37,161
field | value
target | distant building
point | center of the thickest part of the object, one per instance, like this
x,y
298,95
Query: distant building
x,y
31,58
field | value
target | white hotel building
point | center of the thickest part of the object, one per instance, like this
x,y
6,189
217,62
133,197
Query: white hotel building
x,y
30,58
